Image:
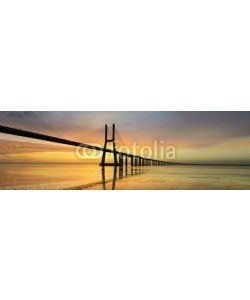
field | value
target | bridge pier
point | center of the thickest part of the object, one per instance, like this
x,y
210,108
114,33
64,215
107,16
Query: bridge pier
x,y
121,160
120,172
107,140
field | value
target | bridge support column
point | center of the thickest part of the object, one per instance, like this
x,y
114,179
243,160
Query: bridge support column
x,y
132,161
126,161
121,160
112,140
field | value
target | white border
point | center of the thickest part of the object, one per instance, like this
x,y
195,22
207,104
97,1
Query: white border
x,y
129,245
111,55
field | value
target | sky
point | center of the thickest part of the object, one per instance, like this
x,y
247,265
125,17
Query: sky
x,y
199,137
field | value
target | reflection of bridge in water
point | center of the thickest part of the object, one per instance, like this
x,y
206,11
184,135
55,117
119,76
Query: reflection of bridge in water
x,y
120,173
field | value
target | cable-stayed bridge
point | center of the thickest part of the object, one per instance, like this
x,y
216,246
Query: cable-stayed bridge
x,y
31,125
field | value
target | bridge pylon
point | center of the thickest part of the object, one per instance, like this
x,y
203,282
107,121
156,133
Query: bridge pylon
x,y
109,140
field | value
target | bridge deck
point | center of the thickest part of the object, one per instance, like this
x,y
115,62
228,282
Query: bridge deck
x,y
38,136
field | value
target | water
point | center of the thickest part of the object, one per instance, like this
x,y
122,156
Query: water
x,y
52,176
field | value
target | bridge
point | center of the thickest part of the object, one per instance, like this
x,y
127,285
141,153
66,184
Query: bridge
x,y
33,127
120,158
